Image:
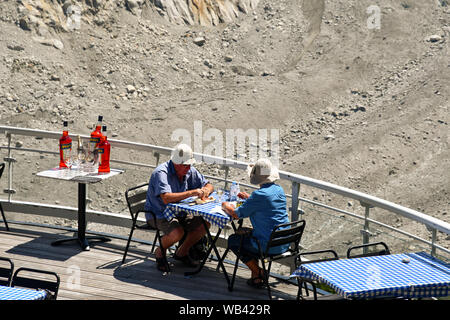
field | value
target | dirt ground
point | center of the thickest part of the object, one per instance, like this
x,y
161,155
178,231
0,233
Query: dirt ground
x,y
357,89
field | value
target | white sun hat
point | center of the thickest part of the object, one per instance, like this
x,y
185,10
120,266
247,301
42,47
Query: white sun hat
x,y
182,154
263,171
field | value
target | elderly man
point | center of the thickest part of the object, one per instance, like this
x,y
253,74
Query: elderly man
x,y
266,208
171,182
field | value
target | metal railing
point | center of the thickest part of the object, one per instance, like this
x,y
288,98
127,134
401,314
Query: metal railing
x,y
368,202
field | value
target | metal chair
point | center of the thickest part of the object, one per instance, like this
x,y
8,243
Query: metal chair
x,y
366,252
6,273
136,197
2,167
299,262
282,234
51,286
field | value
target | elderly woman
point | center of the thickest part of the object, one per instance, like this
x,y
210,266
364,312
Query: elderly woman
x,y
266,208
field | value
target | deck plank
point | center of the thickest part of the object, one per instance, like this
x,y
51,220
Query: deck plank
x,y
103,277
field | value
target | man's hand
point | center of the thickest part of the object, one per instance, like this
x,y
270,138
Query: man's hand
x,y
201,193
198,193
207,190
178,196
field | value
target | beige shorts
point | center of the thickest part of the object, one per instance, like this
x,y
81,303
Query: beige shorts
x,y
188,223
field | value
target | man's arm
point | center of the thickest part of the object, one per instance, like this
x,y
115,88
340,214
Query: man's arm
x,y
172,197
229,209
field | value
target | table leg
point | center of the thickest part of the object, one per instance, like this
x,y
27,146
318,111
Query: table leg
x,y
211,247
227,249
81,235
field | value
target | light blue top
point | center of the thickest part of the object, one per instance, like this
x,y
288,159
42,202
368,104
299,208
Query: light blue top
x,y
165,180
266,208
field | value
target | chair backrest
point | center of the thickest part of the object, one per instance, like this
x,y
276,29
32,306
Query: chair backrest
x,y
373,252
48,281
136,197
287,233
299,261
6,273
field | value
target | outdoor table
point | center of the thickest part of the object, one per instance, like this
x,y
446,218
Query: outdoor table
x,y
13,293
409,275
82,178
211,212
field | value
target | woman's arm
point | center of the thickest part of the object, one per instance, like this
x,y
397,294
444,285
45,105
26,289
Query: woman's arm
x,y
229,209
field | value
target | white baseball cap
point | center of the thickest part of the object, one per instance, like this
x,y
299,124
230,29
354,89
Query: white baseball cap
x,y
182,154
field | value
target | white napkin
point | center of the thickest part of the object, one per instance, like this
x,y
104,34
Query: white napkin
x,y
219,210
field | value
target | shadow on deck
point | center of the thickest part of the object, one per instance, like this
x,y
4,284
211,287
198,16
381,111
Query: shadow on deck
x,y
99,275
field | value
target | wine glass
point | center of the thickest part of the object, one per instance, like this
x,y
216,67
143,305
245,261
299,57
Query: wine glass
x,y
79,160
91,160
219,195
68,160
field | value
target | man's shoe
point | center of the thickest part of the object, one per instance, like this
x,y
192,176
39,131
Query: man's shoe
x,y
187,261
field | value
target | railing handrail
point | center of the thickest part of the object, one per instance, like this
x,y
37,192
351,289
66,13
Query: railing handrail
x,y
371,200
356,195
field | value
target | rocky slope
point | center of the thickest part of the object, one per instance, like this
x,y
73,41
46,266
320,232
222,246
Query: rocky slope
x,y
358,106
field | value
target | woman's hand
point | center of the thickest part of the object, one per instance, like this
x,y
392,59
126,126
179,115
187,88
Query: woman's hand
x,y
243,195
229,209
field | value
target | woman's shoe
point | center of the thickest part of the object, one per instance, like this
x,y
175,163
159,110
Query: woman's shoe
x,y
259,281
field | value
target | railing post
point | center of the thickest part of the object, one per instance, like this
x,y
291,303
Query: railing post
x,y
433,240
10,191
433,243
156,154
227,171
295,202
366,232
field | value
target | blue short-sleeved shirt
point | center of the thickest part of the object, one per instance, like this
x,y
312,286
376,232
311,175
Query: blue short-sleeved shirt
x,y
266,208
164,180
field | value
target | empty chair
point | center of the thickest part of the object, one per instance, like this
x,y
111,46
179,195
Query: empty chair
x,y
136,197
282,234
2,167
370,249
299,262
6,273
37,279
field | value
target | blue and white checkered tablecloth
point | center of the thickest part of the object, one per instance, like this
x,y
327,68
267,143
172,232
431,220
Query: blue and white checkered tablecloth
x,y
382,276
13,293
207,211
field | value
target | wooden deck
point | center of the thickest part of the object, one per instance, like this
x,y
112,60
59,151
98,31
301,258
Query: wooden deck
x,y
99,275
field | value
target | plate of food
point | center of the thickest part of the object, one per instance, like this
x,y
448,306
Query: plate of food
x,y
201,201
